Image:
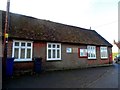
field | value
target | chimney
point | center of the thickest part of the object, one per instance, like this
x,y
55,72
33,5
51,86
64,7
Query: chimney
x,y
90,28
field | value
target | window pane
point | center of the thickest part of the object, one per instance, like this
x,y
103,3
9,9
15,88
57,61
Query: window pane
x,y
58,46
88,48
104,52
53,46
49,53
28,53
29,44
22,55
58,53
49,45
22,44
81,54
101,55
88,54
16,53
91,54
53,53
91,51
16,43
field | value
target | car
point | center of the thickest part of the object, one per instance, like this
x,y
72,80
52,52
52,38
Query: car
x,y
117,58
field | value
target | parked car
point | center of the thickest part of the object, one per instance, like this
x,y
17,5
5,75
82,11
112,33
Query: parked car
x,y
117,58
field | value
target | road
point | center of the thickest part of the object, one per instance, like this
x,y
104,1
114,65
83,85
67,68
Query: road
x,y
98,77
108,79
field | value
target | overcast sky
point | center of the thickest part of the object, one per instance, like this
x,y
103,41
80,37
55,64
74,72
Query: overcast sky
x,y
100,15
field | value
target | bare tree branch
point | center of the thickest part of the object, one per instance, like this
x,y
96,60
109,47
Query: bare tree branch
x,y
117,44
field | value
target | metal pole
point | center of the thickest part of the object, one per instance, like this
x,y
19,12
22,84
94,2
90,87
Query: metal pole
x,y
119,25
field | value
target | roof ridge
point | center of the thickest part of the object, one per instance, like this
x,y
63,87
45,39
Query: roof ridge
x,y
27,16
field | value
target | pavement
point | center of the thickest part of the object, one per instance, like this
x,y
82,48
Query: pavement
x,y
79,78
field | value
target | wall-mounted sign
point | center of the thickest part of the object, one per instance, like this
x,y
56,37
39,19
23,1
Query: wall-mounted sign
x,y
68,50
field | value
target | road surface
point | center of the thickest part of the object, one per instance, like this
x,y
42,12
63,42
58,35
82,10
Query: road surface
x,y
97,77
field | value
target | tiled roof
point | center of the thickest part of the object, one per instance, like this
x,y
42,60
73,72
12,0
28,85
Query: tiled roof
x,y
25,27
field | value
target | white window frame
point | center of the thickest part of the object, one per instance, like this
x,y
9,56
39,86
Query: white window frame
x,y
91,50
55,51
25,47
103,49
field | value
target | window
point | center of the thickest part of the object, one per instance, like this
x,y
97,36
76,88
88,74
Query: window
x,y
53,51
68,50
91,52
22,51
103,52
82,52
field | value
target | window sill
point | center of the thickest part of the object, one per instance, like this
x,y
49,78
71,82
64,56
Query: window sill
x,y
82,56
92,59
52,60
104,58
23,60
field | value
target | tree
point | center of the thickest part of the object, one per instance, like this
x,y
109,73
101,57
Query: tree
x,y
117,44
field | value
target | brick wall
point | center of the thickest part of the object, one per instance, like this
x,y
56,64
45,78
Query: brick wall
x,y
38,51
72,60
68,61
18,66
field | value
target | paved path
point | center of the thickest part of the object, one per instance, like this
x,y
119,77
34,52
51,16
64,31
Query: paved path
x,y
100,77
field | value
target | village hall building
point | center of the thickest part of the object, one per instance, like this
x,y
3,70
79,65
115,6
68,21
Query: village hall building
x,y
60,46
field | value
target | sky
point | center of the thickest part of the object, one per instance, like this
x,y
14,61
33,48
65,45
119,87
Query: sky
x,y
100,15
